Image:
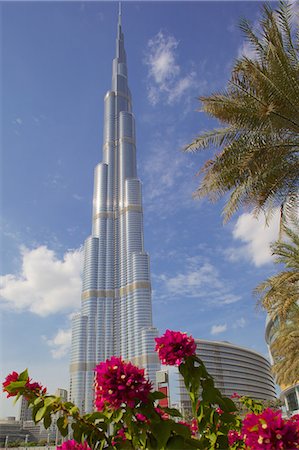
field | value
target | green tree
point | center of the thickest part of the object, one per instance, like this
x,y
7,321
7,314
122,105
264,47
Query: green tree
x,y
257,158
280,292
279,295
285,349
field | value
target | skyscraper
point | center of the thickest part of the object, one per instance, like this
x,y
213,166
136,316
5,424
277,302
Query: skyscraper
x,y
116,312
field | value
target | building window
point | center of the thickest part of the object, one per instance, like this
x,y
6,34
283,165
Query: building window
x,y
292,401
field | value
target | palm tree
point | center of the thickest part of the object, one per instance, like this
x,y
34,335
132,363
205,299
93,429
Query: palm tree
x,y
285,349
257,159
279,293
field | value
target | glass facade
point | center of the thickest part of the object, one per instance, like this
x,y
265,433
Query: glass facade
x,y
116,313
234,369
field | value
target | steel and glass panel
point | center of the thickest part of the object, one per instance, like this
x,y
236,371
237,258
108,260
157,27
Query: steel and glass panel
x,y
234,369
116,311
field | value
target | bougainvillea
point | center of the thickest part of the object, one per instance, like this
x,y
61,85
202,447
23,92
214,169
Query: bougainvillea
x,y
161,413
233,437
11,378
142,418
73,445
193,426
129,416
28,388
119,437
269,431
118,382
173,347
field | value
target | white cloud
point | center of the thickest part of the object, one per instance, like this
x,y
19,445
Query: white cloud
x,y
182,85
199,281
165,75
165,173
216,329
189,283
45,284
257,236
162,58
60,343
239,323
78,197
246,50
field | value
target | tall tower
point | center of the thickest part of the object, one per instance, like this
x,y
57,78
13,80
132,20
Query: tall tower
x,y
116,311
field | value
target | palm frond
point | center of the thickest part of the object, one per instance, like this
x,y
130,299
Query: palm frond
x,y
213,138
257,161
285,17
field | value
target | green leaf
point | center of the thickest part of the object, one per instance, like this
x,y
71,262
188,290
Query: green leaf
x,y
15,385
77,432
62,424
24,375
40,413
179,443
17,398
94,416
200,412
172,412
50,400
162,432
47,420
74,411
228,404
38,400
68,405
117,416
181,429
156,395
222,441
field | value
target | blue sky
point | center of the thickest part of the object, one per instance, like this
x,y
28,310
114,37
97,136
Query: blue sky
x,y
56,69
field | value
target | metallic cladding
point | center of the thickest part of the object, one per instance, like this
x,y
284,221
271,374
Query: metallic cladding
x,y
116,312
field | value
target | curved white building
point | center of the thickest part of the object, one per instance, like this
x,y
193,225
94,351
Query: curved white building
x,y
234,369
116,313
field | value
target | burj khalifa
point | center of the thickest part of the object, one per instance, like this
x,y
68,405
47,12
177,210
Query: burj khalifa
x,y
116,310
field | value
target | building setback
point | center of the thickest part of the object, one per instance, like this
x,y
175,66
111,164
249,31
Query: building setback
x,y
116,311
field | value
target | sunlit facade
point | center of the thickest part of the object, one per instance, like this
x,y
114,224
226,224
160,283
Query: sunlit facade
x,y
116,312
234,369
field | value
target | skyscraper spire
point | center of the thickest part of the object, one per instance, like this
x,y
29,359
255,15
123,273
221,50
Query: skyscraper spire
x,y
119,21
116,312
119,13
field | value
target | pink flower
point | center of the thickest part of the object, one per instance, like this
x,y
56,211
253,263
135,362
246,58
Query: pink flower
x,y
235,395
142,418
162,414
173,347
182,422
120,436
269,431
73,445
219,411
118,382
233,437
36,387
12,377
33,387
193,426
